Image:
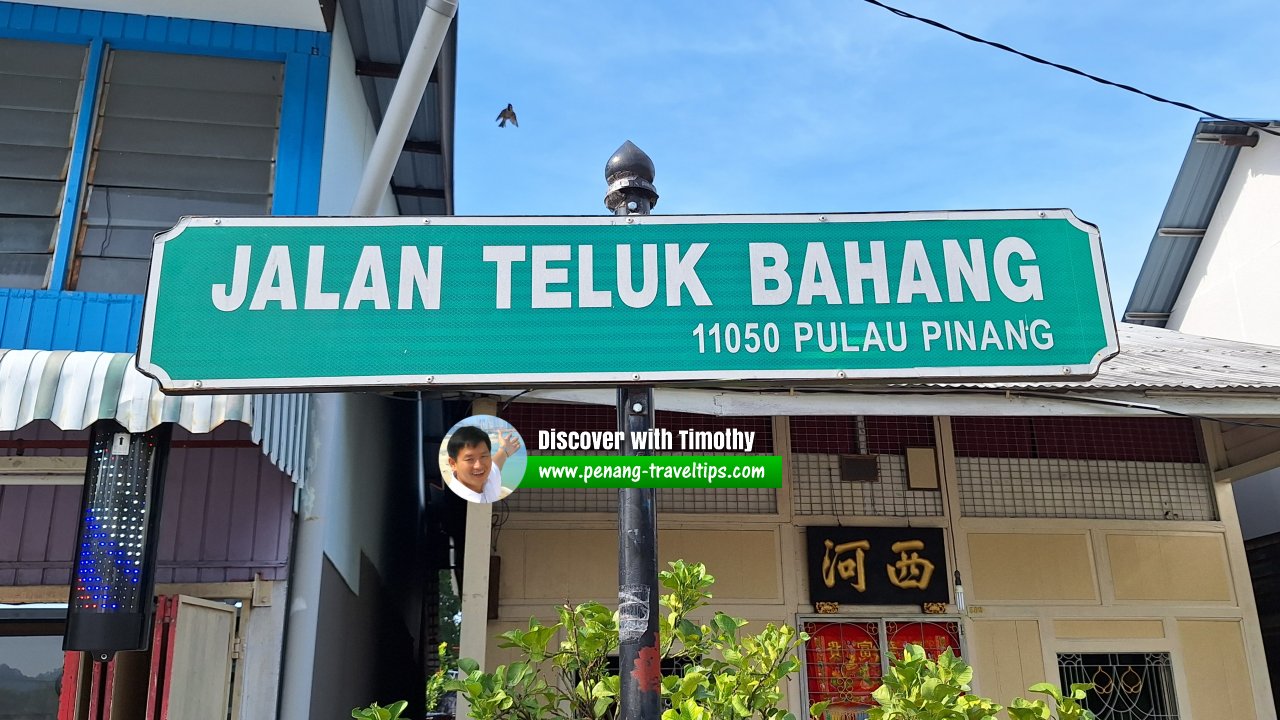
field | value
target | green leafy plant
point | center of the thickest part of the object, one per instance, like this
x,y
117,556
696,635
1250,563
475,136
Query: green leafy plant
x,y
918,688
1069,707
723,672
436,683
377,712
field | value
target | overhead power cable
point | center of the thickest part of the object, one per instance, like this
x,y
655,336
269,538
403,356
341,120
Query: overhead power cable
x,y
1067,68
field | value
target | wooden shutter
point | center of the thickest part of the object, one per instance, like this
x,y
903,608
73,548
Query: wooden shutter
x,y
185,675
191,659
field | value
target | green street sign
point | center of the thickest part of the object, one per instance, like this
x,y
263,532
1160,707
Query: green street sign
x,y
325,303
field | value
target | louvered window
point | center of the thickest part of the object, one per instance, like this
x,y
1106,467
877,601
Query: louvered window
x,y
175,135
40,86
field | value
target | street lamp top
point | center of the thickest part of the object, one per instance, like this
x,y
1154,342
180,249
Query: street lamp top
x,y
630,173
631,161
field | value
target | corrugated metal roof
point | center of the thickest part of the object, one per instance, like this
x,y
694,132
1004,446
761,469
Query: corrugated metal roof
x,y
280,426
74,389
1154,358
1196,191
381,33
1150,358
200,538
51,320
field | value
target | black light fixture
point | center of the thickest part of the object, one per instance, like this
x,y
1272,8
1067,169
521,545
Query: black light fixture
x,y
113,577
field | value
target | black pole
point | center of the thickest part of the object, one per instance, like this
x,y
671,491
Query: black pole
x,y
630,175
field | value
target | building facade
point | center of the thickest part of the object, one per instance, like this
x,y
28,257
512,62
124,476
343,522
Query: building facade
x,y
1094,542
114,123
1208,272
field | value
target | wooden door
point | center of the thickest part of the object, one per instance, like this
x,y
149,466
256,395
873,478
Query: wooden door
x,y
185,675
191,659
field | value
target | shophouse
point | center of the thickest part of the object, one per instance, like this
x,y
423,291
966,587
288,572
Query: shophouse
x,y
1091,526
1208,272
115,122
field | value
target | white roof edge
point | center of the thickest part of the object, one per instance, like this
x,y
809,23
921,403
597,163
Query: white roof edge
x,y
74,389
959,403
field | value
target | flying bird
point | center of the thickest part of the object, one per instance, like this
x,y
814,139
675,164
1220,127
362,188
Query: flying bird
x,y
508,113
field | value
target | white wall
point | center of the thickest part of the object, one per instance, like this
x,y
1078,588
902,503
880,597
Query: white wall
x,y
349,132
1233,288
303,14
363,468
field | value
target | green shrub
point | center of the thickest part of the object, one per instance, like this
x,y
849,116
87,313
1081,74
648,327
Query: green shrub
x,y
724,672
377,712
917,688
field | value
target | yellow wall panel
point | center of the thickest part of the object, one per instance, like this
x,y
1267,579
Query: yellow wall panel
x,y
1107,629
578,565
1217,670
1031,566
745,563
1170,567
1007,658
558,565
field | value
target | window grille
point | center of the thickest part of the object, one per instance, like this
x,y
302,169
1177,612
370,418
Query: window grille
x,y
817,442
1126,686
39,95
818,490
844,660
860,434
1094,468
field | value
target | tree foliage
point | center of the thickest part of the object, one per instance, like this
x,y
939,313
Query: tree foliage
x,y
714,670
917,688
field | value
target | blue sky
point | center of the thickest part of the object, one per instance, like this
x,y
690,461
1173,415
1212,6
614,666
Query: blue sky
x,y
840,106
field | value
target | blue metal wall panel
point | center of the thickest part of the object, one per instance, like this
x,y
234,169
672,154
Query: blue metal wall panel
x,y
299,157
301,147
157,32
16,306
45,320
313,133
289,145
91,22
41,334
93,318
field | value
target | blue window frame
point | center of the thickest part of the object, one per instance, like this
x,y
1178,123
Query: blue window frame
x,y
303,54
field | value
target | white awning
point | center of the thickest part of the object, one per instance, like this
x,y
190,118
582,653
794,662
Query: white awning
x,y
74,389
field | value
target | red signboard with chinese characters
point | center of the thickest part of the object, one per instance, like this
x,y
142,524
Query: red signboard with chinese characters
x,y
877,565
843,664
845,660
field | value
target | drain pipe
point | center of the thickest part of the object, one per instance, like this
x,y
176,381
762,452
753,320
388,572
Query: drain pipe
x,y
414,75
327,409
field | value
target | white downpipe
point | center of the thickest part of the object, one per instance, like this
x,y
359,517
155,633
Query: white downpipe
x,y
302,621
328,409
414,75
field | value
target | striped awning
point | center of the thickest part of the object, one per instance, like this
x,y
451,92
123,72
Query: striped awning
x,y
74,389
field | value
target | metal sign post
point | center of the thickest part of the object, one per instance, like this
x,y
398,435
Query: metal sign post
x,y
630,175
